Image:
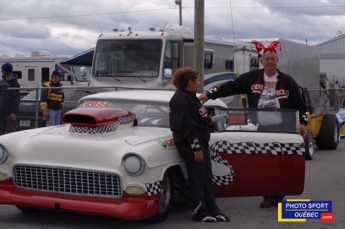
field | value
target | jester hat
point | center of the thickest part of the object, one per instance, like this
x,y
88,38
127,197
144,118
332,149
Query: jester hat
x,y
261,49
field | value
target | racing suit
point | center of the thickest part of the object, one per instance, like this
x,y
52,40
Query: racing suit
x,y
191,125
252,83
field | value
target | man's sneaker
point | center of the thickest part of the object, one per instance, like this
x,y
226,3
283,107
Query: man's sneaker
x,y
204,218
267,202
222,218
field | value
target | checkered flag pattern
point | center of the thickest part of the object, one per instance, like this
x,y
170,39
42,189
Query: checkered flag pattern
x,y
274,148
221,180
102,129
154,188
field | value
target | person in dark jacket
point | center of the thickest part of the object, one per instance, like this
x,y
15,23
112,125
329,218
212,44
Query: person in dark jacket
x,y
267,87
9,99
52,100
191,125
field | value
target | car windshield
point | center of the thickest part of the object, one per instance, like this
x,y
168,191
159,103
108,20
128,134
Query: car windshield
x,y
255,119
224,119
127,58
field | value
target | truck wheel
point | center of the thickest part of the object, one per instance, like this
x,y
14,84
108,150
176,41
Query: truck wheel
x,y
328,137
165,198
309,146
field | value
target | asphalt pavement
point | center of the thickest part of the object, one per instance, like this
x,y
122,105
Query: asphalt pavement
x,y
325,180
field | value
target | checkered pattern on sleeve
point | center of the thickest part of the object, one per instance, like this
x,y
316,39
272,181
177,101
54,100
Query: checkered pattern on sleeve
x,y
102,129
194,143
154,188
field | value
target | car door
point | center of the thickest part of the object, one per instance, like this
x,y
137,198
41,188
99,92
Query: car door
x,y
248,162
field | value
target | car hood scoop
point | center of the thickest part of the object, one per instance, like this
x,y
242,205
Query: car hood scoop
x,y
98,120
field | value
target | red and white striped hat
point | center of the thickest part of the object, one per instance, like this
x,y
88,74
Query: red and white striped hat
x,y
273,47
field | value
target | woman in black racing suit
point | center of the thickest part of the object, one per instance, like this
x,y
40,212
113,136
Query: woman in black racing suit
x,y
191,125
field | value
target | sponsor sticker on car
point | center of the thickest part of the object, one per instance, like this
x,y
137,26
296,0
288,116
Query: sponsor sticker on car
x,y
96,104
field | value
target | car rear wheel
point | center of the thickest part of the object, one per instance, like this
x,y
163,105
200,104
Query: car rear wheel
x,y
309,146
165,199
328,137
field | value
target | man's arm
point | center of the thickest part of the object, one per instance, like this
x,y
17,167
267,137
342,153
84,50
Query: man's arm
x,y
44,100
297,103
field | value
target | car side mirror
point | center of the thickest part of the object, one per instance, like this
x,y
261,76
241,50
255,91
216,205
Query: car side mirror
x,y
167,73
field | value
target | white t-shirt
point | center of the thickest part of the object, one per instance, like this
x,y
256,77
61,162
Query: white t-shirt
x,y
267,99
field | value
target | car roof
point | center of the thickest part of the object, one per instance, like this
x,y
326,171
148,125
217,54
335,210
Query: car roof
x,y
162,96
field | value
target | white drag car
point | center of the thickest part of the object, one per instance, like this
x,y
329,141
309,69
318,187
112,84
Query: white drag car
x,y
115,156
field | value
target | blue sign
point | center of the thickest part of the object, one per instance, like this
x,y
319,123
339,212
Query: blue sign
x,y
298,210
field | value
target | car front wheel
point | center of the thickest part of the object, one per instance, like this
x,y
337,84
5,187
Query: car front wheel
x,y
165,199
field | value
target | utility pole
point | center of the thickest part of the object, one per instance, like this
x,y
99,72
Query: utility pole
x,y
179,3
199,12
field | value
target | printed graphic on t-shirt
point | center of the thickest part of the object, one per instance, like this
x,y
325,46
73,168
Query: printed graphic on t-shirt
x,y
268,96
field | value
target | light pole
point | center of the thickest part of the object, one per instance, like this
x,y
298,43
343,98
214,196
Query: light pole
x,y
179,3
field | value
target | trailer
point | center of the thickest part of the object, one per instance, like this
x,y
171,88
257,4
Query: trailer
x,y
32,71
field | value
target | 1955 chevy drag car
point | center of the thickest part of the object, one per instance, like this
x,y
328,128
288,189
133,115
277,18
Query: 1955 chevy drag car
x,y
115,156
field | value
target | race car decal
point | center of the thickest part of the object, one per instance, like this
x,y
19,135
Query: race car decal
x,y
167,143
154,188
274,148
97,104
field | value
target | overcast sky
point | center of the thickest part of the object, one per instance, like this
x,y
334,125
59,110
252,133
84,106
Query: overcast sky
x,y
66,28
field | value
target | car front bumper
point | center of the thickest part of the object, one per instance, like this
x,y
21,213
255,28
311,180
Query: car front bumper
x,y
127,207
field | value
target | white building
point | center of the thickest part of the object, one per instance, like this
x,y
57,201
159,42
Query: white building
x,y
332,59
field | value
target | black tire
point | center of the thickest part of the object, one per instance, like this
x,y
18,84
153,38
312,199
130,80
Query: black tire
x,y
165,199
328,137
27,209
244,102
309,146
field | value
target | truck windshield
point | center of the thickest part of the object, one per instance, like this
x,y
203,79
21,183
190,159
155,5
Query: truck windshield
x,y
127,58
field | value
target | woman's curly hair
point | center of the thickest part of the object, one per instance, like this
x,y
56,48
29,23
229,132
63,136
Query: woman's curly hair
x,y
182,76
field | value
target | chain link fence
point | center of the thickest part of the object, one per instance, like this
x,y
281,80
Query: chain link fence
x,y
30,116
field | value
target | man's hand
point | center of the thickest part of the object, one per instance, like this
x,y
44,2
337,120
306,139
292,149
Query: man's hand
x,y
199,156
302,130
13,116
203,98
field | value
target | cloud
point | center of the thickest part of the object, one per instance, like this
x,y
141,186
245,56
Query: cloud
x,y
68,28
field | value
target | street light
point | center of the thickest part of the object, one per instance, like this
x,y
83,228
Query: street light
x,y
179,3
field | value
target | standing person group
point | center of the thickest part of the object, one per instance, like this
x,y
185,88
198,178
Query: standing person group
x,y
52,100
191,126
9,99
267,87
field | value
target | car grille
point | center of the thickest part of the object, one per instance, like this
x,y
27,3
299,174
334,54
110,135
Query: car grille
x,y
67,181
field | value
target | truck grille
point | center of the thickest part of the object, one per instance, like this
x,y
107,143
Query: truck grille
x,y
67,181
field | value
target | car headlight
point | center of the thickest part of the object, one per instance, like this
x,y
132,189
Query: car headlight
x,y
134,165
3,154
